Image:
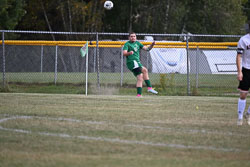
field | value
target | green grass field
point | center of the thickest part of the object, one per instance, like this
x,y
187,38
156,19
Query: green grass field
x,y
166,84
52,130
210,80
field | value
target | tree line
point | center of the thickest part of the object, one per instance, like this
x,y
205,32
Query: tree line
x,y
141,16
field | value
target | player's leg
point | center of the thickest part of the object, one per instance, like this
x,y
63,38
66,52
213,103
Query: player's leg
x,y
246,78
138,73
248,83
243,87
139,84
147,81
241,107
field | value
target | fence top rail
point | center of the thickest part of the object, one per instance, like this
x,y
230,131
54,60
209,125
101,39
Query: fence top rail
x,y
114,33
110,43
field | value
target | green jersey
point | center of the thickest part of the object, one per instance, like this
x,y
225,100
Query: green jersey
x,y
134,58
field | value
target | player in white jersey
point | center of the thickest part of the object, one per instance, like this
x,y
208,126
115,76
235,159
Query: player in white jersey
x,y
243,69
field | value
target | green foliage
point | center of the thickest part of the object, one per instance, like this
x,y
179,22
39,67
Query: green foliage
x,y
167,84
215,17
48,88
5,88
195,91
163,85
11,12
246,8
142,16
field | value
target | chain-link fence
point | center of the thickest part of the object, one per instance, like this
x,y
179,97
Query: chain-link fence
x,y
179,64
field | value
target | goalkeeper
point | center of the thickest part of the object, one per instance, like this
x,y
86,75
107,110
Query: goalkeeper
x,y
131,50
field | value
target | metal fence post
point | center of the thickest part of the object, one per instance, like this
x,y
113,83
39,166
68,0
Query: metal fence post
x,y
188,77
56,65
98,63
197,67
41,70
121,66
148,54
3,59
86,74
94,68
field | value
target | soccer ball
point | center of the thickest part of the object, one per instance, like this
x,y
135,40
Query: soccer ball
x,y
108,5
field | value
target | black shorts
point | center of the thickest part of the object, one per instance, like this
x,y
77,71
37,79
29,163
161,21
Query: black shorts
x,y
137,71
244,84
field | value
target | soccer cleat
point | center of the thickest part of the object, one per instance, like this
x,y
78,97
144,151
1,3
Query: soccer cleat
x,y
248,118
239,122
151,90
138,95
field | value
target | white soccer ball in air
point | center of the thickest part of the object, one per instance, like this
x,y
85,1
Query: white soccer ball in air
x,y
108,5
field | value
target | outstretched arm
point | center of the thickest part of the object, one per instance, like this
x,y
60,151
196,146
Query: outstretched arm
x,y
148,48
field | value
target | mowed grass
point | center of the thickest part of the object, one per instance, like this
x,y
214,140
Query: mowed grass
x,y
110,83
118,131
204,80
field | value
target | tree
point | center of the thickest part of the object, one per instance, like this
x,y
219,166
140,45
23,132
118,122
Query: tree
x,y
63,15
141,16
11,12
215,17
246,8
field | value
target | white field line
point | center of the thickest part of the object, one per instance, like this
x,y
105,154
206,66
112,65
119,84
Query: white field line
x,y
111,140
190,131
